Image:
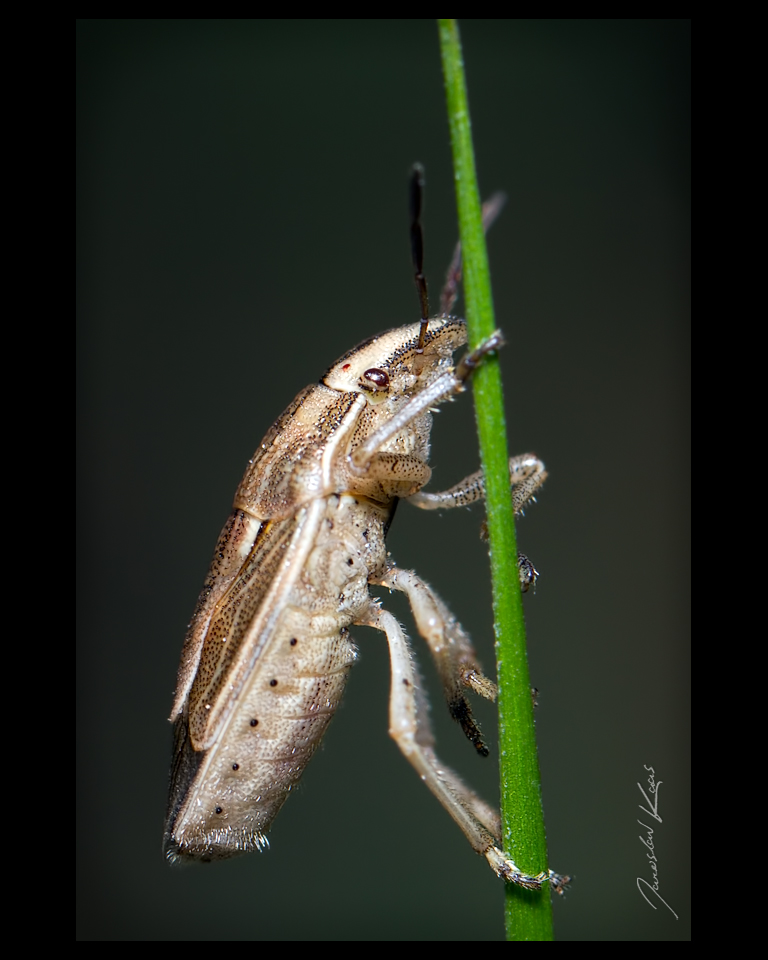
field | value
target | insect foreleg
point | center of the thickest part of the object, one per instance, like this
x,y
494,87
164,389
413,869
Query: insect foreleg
x,y
437,392
409,727
471,360
440,390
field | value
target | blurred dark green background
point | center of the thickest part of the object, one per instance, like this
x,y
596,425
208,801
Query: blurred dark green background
x,y
242,222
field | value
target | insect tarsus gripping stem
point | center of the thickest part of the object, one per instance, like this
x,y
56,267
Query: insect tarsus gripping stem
x,y
410,728
470,361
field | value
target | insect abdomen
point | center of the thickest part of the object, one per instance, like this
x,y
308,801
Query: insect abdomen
x,y
228,794
244,779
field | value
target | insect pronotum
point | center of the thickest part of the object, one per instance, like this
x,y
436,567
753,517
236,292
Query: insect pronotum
x,y
268,650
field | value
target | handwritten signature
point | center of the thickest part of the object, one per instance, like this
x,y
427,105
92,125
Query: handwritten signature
x,y
652,809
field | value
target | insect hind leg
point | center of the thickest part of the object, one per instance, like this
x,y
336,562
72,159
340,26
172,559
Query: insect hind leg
x,y
409,727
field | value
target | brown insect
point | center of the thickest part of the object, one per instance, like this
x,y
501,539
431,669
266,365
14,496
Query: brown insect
x,y
268,650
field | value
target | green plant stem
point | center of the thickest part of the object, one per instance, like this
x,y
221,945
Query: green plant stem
x,y
528,914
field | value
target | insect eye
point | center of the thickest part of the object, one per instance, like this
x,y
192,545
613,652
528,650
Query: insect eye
x,y
375,379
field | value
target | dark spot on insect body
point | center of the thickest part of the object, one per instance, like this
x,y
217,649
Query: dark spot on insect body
x,y
350,562
219,810
254,723
273,683
406,682
294,641
365,533
235,766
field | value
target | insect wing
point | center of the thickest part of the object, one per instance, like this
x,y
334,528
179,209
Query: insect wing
x,y
245,621
219,750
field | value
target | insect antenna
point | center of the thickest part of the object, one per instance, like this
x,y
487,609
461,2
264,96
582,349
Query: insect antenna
x,y
415,193
491,210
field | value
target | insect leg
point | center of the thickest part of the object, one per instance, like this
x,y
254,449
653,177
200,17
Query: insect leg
x,y
526,572
437,392
409,727
526,475
450,647
390,474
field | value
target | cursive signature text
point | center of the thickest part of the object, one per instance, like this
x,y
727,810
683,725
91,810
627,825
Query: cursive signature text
x,y
646,888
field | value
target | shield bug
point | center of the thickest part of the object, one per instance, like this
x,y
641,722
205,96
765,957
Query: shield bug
x,y
268,650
